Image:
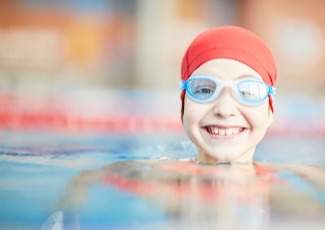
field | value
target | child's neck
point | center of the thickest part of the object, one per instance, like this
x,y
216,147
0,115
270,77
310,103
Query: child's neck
x,y
246,158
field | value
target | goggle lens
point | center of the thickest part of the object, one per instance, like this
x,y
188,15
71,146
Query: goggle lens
x,y
252,90
202,89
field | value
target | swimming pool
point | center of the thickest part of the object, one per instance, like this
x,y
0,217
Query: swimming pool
x,y
54,179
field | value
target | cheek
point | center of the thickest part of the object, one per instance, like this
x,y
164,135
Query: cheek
x,y
193,113
259,118
189,117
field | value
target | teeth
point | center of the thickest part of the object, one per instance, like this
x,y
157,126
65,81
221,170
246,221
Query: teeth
x,y
228,132
224,132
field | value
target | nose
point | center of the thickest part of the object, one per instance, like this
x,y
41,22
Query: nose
x,y
225,105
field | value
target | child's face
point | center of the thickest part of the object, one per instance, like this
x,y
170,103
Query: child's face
x,y
240,128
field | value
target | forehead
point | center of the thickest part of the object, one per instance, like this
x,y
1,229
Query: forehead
x,y
226,69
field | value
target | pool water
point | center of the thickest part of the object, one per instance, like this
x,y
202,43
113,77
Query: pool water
x,y
69,181
120,160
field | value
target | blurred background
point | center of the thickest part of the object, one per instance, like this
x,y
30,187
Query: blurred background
x,y
114,65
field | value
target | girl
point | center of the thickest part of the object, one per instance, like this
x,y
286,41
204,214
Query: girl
x,y
227,80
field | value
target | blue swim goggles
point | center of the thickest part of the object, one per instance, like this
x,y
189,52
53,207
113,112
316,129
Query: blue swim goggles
x,y
247,91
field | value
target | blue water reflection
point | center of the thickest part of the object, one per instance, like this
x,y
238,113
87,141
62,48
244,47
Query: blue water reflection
x,y
46,177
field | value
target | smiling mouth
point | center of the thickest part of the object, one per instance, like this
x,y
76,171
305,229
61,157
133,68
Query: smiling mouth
x,y
224,131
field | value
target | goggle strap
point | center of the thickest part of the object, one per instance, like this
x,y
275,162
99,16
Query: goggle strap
x,y
182,85
272,90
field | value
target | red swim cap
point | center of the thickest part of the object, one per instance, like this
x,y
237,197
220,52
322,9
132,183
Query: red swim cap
x,y
234,43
